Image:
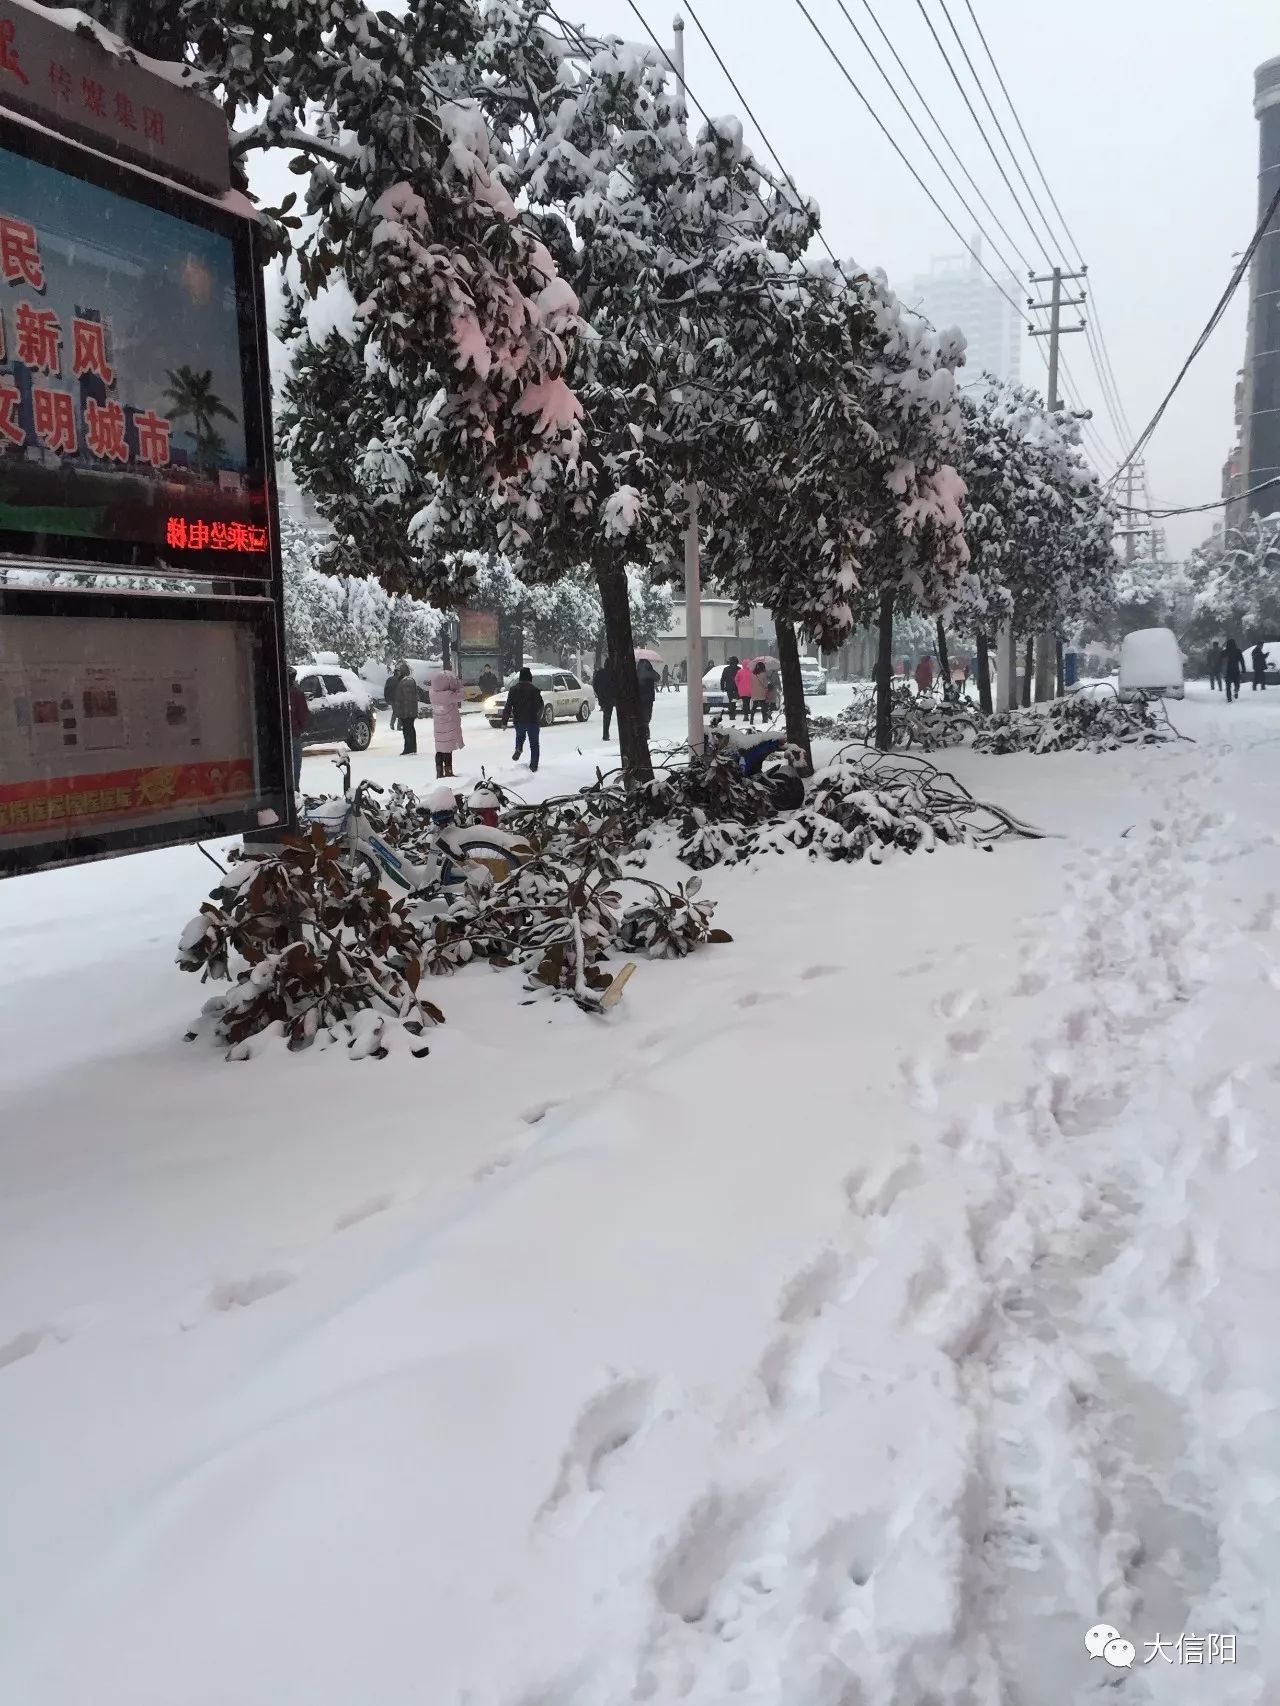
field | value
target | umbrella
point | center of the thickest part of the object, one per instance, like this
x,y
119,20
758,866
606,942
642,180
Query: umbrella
x,y
655,658
768,662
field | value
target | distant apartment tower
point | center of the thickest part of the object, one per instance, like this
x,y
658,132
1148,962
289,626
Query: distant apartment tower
x,y
956,292
1262,370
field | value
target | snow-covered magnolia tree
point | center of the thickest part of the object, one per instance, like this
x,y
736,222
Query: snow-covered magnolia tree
x,y
353,617
396,123
855,515
1236,581
671,244
1039,523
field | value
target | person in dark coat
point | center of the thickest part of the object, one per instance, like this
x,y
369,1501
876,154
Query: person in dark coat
x,y
389,694
488,683
299,717
602,682
406,704
648,689
1232,668
1215,666
666,678
524,709
1258,661
729,687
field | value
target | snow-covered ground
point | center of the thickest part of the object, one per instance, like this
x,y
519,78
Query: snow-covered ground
x,y
853,1317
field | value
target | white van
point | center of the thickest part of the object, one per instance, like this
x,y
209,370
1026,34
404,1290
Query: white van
x,y
1150,663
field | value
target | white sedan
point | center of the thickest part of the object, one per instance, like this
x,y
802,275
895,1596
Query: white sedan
x,y
563,695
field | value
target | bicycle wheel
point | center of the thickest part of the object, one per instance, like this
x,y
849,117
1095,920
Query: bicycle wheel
x,y
497,858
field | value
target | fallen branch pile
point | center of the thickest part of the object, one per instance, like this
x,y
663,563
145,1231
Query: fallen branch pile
x,y
1094,722
927,724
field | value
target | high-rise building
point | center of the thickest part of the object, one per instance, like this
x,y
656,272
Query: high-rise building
x,y
1262,370
956,292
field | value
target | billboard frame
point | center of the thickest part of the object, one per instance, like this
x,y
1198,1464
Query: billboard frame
x,y
271,753
24,136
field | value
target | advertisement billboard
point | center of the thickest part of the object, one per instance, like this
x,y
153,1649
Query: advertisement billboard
x,y
132,431
132,720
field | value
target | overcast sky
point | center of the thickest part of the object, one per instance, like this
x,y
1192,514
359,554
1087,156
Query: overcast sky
x,y
1141,114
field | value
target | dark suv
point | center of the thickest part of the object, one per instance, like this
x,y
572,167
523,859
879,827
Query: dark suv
x,y
341,707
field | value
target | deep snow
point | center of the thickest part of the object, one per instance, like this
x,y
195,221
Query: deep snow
x,y
852,1318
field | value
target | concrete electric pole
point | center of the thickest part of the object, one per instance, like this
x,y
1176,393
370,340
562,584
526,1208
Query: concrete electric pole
x,y
1046,647
692,561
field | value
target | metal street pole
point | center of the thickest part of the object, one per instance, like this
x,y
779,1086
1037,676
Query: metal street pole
x,y
1046,646
692,562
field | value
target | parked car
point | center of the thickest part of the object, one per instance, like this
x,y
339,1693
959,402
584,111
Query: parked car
x,y
1151,663
814,678
714,699
341,707
563,695
1271,675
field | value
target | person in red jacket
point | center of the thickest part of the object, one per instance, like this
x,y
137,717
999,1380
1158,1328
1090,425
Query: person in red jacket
x,y
924,675
299,717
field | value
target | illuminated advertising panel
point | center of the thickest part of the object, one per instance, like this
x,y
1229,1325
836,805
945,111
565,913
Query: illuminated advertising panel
x,y
132,432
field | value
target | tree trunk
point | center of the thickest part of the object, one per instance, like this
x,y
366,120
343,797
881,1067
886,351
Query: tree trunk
x,y
984,674
884,675
943,661
793,687
444,646
1062,684
1028,666
633,736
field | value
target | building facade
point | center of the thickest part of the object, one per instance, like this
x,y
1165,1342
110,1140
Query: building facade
x,y
1261,447
724,635
956,292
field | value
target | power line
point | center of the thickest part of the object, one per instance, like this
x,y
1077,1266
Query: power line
x,y
1242,266
982,131
746,107
867,48
1095,336
892,141
1199,509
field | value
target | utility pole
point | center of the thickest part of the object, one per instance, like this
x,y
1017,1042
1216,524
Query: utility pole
x,y
1046,647
692,562
1131,532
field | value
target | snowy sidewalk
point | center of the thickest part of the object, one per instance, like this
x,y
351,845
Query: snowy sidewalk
x,y
877,1304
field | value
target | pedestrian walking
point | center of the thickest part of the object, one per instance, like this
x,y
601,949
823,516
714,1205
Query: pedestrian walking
x,y
389,694
299,717
759,691
488,683
446,693
407,702
1215,666
743,679
924,675
729,687
1258,659
666,678
773,681
602,682
648,690
1232,668
524,709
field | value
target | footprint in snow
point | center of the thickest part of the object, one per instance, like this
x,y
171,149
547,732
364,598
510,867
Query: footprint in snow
x,y
239,1294
719,1533
811,972
808,1292
22,1346
609,1422
756,998
877,1196
956,1003
964,1044
365,1211
539,1111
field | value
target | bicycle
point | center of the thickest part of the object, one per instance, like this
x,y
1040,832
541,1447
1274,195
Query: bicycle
x,y
452,857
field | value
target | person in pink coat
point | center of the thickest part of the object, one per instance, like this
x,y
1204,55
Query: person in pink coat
x,y
446,694
743,683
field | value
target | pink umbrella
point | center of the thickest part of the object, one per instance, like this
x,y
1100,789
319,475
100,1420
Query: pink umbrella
x,y
768,662
650,657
